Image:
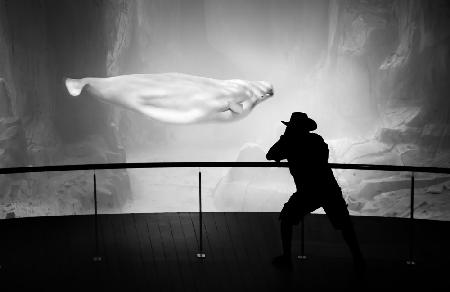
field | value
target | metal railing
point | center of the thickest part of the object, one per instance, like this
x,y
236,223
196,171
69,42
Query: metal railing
x,y
201,253
23,169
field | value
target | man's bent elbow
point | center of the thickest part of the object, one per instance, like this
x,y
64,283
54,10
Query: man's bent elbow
x,y
272,157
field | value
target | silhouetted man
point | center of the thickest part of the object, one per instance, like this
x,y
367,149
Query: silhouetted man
x,y
307,156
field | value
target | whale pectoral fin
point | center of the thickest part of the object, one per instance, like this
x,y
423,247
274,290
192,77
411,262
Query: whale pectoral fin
x,y
237,108
74,86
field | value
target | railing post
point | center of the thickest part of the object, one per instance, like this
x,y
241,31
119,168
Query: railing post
x,y
302,255
97,257
201,254
411,261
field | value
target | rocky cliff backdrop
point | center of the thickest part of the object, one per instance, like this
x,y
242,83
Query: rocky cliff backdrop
x,y
40,43
373,74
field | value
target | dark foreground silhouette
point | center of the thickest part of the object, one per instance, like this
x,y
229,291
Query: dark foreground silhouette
x,y
307,156
157,252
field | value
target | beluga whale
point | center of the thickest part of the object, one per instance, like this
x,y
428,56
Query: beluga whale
x,y
176,97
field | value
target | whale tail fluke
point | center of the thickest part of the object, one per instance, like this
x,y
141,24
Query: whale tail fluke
x,y
74,86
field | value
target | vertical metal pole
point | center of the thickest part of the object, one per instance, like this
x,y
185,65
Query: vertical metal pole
x,y
411,261
97,257
200,254
302,255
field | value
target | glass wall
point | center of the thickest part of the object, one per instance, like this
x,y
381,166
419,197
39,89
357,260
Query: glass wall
x,y
360,69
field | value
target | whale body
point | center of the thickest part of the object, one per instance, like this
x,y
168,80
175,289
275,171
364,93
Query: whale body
x,y
176,97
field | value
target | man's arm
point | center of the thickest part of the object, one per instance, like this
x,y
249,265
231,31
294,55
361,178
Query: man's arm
x,y
277,152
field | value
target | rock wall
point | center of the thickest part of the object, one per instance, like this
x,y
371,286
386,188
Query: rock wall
x,y
403,48
387,67
41,42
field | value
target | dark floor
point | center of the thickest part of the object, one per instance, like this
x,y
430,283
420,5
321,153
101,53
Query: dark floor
x,y
156,252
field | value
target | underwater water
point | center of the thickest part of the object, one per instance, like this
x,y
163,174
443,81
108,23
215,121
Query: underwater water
x,y
372,74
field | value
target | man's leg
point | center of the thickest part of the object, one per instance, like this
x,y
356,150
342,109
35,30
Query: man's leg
x,y
285,260
337,212
348,232
293,211
286,237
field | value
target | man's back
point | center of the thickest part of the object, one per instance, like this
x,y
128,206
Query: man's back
x,y
307,155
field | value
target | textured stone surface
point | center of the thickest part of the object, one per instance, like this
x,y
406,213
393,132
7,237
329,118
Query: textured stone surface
x,y
40,43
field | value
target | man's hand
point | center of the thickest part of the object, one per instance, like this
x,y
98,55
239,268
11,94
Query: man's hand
x,y
175,97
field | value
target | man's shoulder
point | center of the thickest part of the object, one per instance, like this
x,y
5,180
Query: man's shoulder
x,y
315,137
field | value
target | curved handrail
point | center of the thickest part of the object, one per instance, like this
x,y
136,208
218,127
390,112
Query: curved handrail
x,y
26,169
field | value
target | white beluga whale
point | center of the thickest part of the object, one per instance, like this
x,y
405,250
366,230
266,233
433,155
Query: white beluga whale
x,y
176,97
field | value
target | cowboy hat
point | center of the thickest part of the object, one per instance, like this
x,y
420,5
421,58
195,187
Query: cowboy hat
x,y
299,119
